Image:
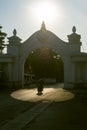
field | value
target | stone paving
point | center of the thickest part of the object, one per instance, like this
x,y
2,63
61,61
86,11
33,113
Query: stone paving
x,y
56,109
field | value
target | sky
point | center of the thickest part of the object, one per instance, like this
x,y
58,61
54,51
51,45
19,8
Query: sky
x,y
59,16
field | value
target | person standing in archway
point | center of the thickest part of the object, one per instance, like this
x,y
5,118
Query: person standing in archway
x,y
40,87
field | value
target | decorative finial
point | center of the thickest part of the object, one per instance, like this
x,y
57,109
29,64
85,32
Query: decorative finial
x,y
43,27
14,32
74,29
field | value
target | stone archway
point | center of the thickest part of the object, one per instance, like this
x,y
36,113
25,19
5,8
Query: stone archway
x,y
18,53
45,38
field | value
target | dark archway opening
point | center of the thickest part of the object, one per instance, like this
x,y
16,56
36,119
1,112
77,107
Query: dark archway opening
x,y
44,63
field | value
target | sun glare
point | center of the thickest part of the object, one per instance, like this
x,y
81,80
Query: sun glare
x,y
45,11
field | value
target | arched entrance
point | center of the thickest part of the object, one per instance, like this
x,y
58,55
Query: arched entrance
x,y
45,38
44,63
69,51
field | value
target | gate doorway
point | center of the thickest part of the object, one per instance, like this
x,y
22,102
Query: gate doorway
x,y
43,63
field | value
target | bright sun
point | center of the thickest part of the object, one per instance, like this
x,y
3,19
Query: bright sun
x,y
45,11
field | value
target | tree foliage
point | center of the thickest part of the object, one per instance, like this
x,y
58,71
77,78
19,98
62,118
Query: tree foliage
x,y
44,65
2,38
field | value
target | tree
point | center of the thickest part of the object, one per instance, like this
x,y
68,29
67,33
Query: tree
x,y
45,63
2,38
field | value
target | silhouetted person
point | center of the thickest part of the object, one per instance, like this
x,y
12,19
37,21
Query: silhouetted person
x,y
40,87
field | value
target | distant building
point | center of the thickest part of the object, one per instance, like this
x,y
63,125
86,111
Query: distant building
x,y
75,61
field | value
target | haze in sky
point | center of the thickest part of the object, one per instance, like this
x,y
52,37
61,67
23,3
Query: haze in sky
x,y
60,16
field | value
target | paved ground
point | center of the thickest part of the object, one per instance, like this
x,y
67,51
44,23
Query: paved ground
x,y
56,109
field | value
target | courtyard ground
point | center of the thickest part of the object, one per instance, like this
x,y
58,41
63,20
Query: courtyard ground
x,y
56,109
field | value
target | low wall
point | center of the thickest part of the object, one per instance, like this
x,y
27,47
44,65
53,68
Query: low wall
x,y
11,84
